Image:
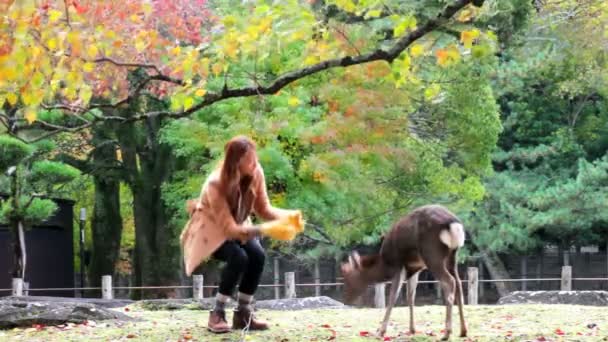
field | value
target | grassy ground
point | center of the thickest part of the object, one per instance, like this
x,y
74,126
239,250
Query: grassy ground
x,y
486,323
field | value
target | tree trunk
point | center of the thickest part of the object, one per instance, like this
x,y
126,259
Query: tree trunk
x,y
106,227
106,222
149,164
497,270
16,227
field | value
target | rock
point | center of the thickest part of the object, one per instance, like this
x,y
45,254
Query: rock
x,y
177,304
104,303
21,313
274,304
300,303
593,298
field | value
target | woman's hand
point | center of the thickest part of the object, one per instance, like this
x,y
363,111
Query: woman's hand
x,y
248,233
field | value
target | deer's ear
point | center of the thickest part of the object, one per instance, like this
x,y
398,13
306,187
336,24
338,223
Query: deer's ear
x,y
345,268
355,260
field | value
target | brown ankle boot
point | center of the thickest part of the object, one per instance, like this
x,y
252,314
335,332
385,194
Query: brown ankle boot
x,y
243,316
217,322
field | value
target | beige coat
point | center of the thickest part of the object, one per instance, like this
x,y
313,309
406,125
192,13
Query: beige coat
x,y
217,220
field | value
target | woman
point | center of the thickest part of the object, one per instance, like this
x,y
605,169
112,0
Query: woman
x,y
229,196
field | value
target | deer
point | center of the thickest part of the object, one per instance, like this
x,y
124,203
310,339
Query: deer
x,y
427,238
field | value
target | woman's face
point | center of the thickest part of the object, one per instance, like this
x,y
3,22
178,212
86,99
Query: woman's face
x,y
248,163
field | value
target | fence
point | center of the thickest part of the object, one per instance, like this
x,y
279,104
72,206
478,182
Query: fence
x,y
20,288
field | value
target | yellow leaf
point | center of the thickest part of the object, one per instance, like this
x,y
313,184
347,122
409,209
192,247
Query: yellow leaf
x,y
92,51
229,21
30,115
54,15
200,92
176,50
135,18
217,68
265,24
88,67
232,49
52,43
140,45
188,103
147,7
416,50
293,101
432,91
467,37
11,98
27,98
373,14
85,94
311,60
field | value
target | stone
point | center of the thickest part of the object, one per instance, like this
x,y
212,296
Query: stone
x,y
273,304
25,313
592,298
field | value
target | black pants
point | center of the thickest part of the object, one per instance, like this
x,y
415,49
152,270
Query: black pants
x,y
244,262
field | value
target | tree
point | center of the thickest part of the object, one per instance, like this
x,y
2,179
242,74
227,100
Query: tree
x,y
550,166
236,58
29,180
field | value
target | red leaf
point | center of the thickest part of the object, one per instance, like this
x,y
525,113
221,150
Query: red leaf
x,y
127,309
325,326
131,336
364,333
333,335
387,338
541,338
559,331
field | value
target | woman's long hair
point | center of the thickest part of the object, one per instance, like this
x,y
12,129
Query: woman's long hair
x,y
234,151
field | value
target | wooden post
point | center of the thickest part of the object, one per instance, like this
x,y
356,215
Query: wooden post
x,y
481,275
438,292
473,285
317,276
567,257
106,287
379,296
197,287
524,272
17,287
277,290
26,288
290,285
539,270
566,278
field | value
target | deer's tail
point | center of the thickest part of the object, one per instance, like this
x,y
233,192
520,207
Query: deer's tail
x,y
453,237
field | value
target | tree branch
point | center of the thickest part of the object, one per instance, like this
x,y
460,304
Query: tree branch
x,y
289,77
258,89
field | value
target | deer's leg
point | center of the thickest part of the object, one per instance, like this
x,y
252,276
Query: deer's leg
x,y
412,283
448,284
453,269
394,294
